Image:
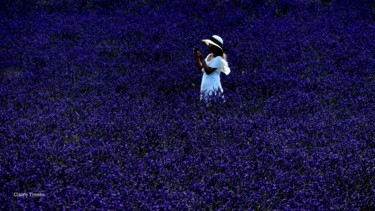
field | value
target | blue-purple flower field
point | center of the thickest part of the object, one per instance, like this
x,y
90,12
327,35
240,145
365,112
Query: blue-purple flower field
x,y
100,105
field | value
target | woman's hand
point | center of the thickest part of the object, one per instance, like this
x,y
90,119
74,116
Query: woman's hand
x,y
198,54
198,57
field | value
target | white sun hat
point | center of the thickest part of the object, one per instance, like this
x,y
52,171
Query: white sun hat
x,y
216,41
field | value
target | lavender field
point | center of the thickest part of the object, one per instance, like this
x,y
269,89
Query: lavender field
x,y
100,105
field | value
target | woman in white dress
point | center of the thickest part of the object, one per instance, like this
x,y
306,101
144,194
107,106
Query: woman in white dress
x,y
212,66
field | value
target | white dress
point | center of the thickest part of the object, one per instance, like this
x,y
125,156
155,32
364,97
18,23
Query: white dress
x,y
211,83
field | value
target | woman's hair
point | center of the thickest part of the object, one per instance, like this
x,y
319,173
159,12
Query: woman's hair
x,y
224,56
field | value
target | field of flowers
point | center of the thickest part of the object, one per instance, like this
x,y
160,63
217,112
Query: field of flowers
x,y
100,105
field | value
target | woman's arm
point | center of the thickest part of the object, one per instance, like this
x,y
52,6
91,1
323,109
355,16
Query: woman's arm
x,y
198,61
201,63
207,69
